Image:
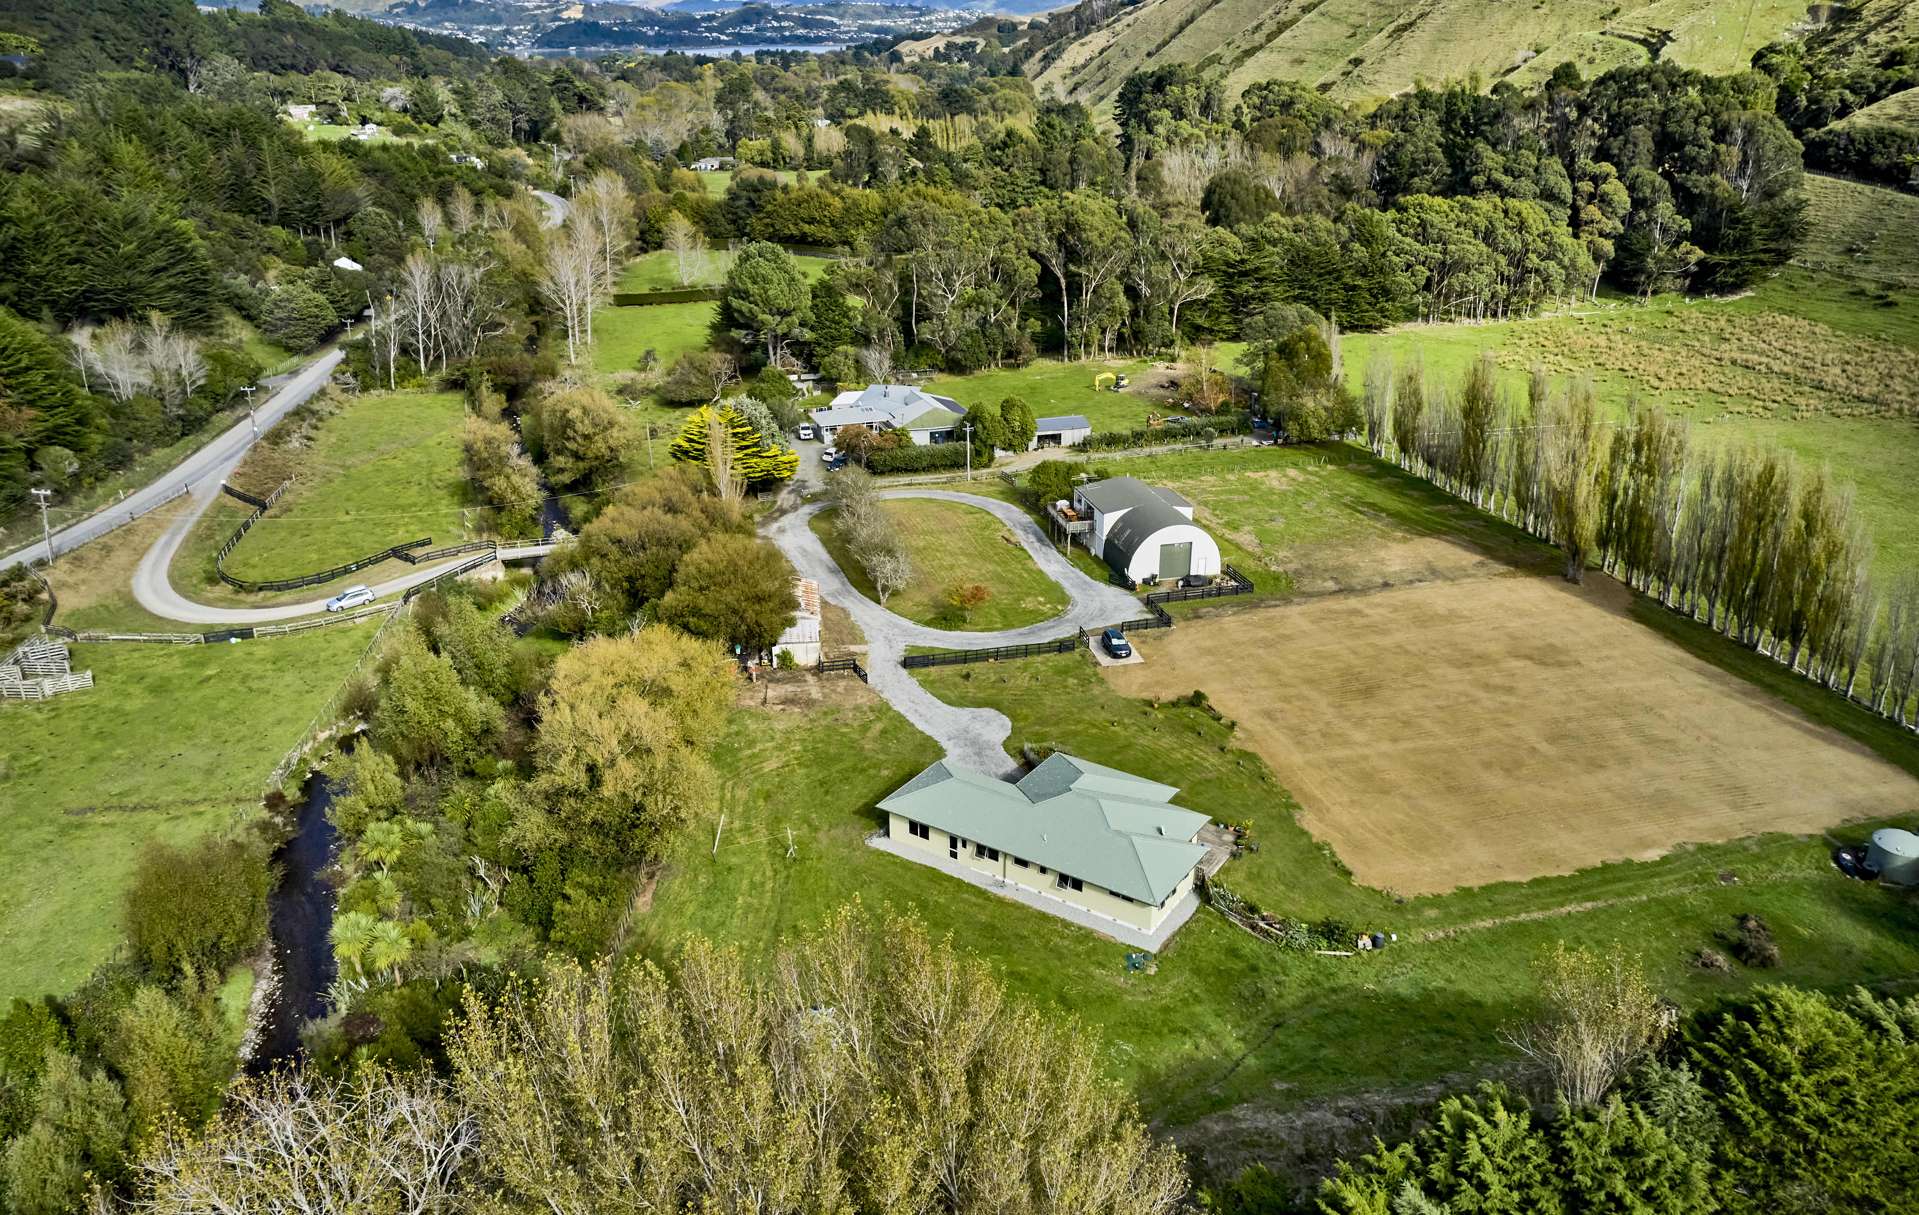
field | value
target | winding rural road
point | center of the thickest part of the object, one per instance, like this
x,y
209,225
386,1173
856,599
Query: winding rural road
x,y
976,737
557,208
203,470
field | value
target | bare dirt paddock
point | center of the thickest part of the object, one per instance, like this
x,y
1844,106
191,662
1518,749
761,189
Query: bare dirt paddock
x,y
1508,728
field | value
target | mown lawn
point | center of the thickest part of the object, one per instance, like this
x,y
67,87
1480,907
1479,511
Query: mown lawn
x,y
387,468
660,270
953,545
622,336
1052,388
172,742
1227,1019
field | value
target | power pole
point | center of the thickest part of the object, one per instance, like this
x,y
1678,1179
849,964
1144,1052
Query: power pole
x,y
250,390
968,428
43,496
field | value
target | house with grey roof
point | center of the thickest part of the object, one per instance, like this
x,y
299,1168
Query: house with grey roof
x,y
1144,532
1061,430
922,416
1109,848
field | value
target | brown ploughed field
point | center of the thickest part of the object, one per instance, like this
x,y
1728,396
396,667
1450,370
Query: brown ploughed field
x,y
1505,728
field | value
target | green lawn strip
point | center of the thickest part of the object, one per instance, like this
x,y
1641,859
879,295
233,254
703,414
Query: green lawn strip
x,y
622,336
1226,1018
1051,388
171,742
956,545
385,470
660,271
1870,452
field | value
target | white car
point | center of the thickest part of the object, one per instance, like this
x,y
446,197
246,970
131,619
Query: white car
x,y
806,431
350,598
829,455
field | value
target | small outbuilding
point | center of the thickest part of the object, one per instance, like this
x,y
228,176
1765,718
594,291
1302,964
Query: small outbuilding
x,y
1066,430
1145,532
800,643
1894,853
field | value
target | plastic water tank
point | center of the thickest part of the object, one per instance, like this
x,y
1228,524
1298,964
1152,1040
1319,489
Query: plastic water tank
x,y
1895,854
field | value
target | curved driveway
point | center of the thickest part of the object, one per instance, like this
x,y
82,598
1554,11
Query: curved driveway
x,y
557,208
975,737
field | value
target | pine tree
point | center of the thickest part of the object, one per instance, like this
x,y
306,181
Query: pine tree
x,y
748,455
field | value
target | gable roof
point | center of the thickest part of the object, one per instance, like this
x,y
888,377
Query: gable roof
x,y
1095,823
896,406
1064,421
1124,493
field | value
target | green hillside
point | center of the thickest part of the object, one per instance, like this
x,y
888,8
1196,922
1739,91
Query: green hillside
x,y
1360,49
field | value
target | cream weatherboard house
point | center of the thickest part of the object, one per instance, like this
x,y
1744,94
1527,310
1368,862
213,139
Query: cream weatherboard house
x,y
1096,839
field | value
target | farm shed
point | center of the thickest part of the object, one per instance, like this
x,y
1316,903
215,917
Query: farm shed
x,y
1065,430
1145,532
1895,854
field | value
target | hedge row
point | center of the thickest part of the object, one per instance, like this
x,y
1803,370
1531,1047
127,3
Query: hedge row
x,y
687,295
932,458
1157,436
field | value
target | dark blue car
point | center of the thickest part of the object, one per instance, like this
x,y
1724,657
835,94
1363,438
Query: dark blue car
x,y
1116,643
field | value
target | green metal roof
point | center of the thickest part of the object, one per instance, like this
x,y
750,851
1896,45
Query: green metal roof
x,y
1122,493
939,418
1091,822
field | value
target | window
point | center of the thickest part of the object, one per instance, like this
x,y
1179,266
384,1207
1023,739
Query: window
x,y
1063,882
984,853
919,831
1022,864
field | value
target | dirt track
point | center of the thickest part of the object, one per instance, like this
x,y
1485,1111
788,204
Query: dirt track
x,y
1508,728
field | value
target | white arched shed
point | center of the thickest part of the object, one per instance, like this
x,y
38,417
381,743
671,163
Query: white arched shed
x,y
1145,531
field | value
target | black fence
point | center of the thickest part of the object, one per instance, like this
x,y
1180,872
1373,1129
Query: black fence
x,y
828,666
324,576
1160,619
1240,585
953,658
451,550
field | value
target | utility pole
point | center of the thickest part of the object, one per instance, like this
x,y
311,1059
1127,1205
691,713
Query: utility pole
x,y
250,390
968,428
43,496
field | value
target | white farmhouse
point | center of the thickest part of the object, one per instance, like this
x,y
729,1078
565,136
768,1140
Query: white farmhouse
x,y
922,416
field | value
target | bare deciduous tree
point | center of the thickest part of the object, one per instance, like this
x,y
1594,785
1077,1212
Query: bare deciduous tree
x,y
288,1143
568,278
431,220
1601,1018
687,246
119,361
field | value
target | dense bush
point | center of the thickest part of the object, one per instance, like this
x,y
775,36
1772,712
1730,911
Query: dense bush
x,y
935,457
198,907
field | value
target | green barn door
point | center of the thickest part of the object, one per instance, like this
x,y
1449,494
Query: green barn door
x,y
1175,560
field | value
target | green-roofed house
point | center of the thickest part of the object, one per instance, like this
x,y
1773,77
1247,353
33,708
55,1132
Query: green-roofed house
x,y
1102,841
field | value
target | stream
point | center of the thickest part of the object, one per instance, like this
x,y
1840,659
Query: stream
x,y
300,921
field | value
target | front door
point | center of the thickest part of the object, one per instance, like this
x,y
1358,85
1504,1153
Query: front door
x,y
953,846
1175,560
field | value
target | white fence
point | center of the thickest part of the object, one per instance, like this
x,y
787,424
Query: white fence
x,y
39,669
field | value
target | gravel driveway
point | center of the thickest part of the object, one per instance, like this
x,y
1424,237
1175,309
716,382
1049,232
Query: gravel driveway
x,y
976,737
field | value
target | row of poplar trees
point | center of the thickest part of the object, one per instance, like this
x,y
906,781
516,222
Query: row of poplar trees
x,y
1746,540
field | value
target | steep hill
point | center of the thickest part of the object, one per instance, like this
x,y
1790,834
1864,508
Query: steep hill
x,y
1361,49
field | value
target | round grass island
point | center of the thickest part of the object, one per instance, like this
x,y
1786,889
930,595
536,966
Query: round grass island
x,y
955,546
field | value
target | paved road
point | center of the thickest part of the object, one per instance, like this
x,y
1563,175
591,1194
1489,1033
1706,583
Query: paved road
x,y
557,208
976,737
153,590
202,469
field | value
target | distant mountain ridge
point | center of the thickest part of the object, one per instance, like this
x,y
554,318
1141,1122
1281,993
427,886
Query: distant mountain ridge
x,y
1359,49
